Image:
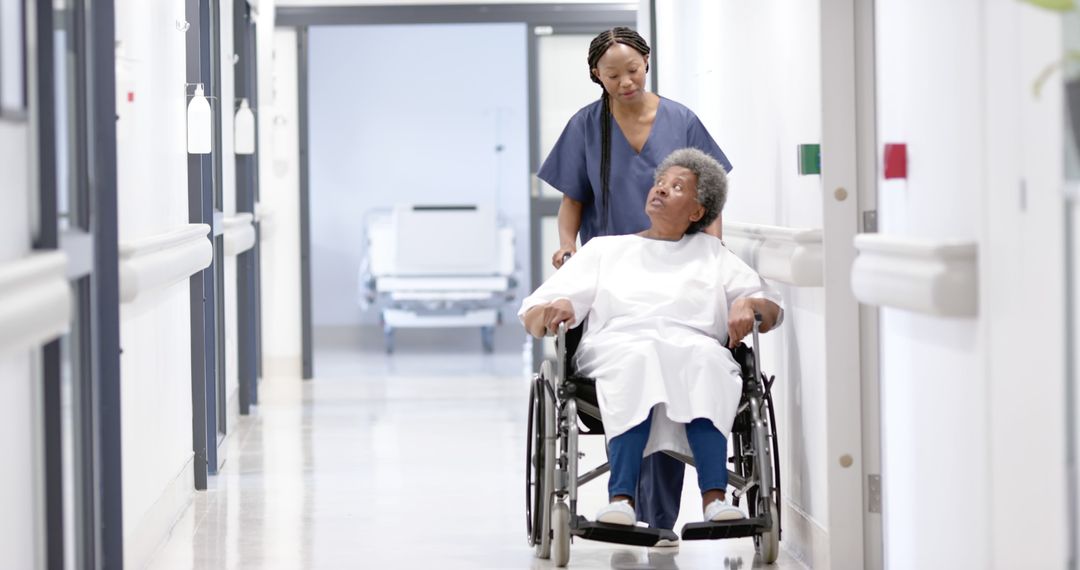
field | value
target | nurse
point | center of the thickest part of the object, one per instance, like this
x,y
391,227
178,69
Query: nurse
x,y
604,163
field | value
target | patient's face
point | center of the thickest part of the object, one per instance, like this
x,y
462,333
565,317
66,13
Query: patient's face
x,y
673,198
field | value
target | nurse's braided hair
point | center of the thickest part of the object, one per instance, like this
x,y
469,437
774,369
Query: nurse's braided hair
x,y
599,46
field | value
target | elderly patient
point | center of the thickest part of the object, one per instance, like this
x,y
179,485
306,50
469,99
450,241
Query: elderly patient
x,y
661,306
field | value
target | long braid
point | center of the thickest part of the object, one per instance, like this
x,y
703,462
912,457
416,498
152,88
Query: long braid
x,y
605,158
599,46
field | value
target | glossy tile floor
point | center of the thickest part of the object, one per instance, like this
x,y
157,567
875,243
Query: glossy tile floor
x,y
415,460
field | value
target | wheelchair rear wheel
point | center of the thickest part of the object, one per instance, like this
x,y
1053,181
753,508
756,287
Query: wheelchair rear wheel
x,y
768,542
540,464
534,465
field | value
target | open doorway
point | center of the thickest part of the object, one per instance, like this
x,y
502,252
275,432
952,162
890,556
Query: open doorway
x,y
418,170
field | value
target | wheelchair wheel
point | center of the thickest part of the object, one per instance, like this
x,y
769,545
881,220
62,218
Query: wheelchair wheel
x,y
560,530
534,465
540,463
768,542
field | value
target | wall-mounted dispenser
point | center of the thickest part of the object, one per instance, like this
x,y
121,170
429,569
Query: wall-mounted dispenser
x,y
199,123
244,129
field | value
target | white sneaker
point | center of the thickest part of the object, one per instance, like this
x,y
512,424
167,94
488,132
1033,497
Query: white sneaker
x,y
617,512
666,543
718,510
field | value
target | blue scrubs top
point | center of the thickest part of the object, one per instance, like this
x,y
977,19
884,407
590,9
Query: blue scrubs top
x,y
573,167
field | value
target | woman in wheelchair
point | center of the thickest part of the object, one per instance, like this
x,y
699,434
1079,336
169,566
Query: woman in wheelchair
x,y
661,306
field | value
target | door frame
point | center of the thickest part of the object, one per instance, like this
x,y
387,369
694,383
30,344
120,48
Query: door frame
x,y
567,16
541,206
849,201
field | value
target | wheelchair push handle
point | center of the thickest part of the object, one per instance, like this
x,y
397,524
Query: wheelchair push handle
x,y
560,353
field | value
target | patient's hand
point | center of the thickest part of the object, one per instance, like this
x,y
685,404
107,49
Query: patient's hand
x,y
740,321
741,318
545,319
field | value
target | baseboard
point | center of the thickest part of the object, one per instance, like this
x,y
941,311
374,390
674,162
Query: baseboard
x,y
156,525
803,538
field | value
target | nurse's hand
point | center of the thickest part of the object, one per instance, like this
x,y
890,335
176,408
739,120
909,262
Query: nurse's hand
x,y
562,255
740,321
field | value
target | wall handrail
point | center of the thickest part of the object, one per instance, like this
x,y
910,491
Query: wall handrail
x,y
35,300
239,235
934,277
266,218
787,255
162,260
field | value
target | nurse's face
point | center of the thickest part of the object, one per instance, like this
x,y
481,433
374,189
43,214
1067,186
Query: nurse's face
x,y
673,198
622,72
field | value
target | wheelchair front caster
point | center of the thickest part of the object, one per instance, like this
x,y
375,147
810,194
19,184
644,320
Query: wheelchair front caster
x,y
560,534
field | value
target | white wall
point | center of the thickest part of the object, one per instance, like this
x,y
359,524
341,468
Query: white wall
x,y
407,128
751,71
280,194
20,522
965,397
155,330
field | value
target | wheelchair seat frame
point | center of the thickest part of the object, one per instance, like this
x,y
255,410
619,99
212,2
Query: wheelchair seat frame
x,y
556,401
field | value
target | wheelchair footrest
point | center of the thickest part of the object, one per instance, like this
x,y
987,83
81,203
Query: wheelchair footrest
x,y
726,529
620,534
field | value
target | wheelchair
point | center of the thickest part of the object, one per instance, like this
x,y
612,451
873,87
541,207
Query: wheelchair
x,y
558,399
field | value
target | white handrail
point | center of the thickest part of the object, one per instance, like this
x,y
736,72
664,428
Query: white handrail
x,y
239,235
787,255
35,300
162,260
933,277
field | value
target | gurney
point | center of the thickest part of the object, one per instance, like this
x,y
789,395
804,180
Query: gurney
x,y
435,266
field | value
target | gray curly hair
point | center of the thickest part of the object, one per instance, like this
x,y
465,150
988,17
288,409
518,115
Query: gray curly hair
x,y
711,182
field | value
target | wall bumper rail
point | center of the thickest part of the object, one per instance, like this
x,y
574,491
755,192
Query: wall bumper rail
x,y
163,260
35,300
264,216
787,255
937,278
239,233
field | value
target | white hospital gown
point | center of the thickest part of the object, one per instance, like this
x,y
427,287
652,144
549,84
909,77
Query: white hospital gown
x,y
657,330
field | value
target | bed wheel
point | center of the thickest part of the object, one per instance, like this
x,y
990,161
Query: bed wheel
x,y
388,339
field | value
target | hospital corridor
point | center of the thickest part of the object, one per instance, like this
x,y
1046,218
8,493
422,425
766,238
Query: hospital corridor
x,y
513,284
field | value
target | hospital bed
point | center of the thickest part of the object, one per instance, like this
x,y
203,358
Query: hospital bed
x,y
434,266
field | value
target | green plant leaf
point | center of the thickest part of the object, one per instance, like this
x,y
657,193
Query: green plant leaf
x,y
1055,5
1048,71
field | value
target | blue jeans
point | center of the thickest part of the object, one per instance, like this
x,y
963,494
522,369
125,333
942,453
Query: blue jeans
x,y
657,488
